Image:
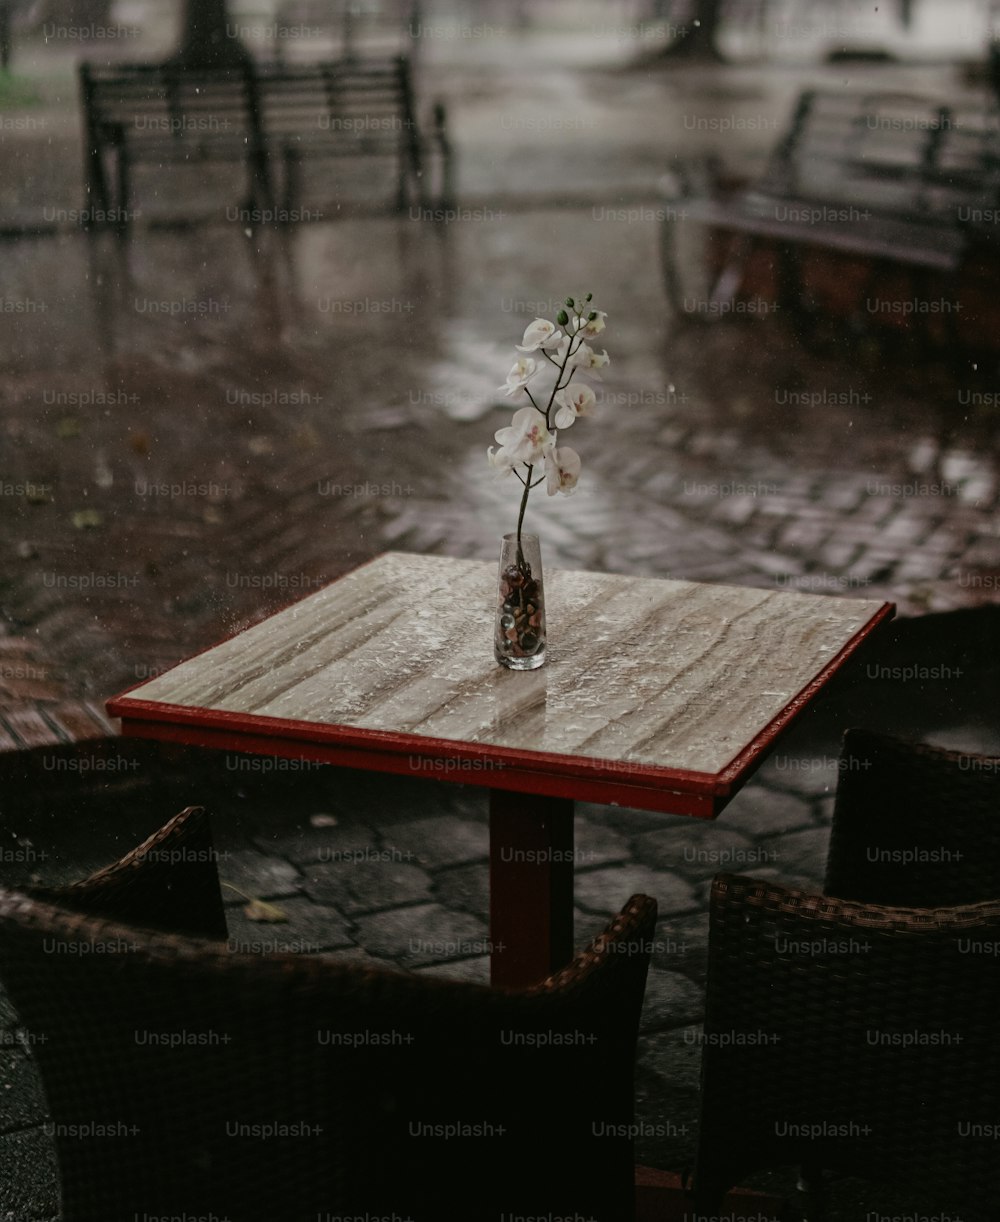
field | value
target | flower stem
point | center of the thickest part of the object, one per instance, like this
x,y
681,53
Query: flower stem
x,y
520,518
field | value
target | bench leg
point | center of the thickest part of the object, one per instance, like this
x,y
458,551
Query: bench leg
x,y
261,192
715,293
731,277
97,182
293,179
123,203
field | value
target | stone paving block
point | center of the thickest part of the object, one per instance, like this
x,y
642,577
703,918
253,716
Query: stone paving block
x,y
665,1116
681,945
675,1057
8,1015
758,811
12,690
476,971
837,553
824,810
625,820
29,1185
310,929
347,839
801,854
907,527
442,840
806,771
695,848
257,876
23,1099
606,890
671,1000
7,740
844,494
772,563
423,934
382,801
465,888
735,510
367,886
596,843
918,566
800,535
30,728
984,553
873,565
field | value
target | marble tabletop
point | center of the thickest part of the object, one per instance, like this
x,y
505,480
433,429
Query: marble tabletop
x,y
648,684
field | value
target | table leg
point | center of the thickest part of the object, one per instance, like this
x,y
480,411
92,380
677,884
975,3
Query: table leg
x,y
531,886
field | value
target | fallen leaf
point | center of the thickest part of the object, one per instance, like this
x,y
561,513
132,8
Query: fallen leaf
x,y
68,426
84,519
260,910
139,443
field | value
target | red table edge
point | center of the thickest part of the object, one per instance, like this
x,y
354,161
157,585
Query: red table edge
x,y
649,787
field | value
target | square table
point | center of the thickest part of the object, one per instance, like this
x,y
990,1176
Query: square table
x,y
655,694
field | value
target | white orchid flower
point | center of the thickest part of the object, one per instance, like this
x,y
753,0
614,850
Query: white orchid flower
x,y
539,334
590,327
569,351
562,470
521,373
498,461
526,440
589,361
573,401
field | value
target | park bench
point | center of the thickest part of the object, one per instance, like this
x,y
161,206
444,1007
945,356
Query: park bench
x,y
889,178
266,117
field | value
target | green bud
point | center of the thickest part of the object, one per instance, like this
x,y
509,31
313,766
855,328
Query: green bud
x,y
589,296
562,318
570,302
591,316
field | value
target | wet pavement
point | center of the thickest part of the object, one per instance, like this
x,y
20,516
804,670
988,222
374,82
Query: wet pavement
x,y
202,424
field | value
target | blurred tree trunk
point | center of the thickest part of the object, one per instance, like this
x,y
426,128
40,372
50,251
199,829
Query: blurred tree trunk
x,y
210,40
696,39
5,37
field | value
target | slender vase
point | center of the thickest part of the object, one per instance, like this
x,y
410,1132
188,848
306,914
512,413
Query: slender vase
x,y
519,635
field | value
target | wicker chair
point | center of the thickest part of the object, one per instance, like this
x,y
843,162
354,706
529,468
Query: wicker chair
x,y
169,883
850,1037
914,825
184,1080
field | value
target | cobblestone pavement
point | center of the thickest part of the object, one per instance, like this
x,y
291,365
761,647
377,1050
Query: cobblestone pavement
x,y
203,426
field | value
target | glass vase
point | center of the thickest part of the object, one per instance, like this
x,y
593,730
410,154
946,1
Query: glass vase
x,y
519,634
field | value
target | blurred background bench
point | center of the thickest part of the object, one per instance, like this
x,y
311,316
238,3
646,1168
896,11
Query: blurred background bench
x,y
268,117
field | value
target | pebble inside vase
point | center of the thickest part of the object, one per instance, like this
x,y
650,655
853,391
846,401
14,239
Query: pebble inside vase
x,y
519,637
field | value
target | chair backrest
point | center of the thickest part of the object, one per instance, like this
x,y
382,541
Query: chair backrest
x,y
170,883
892,152
914,825
163,101
186,1081
851,1037
347,98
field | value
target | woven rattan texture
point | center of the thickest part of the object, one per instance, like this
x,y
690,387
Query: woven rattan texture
x,y
852,1037
914,825
295,1087
169,883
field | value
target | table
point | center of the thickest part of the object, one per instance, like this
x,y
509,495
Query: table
x,y
659,695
